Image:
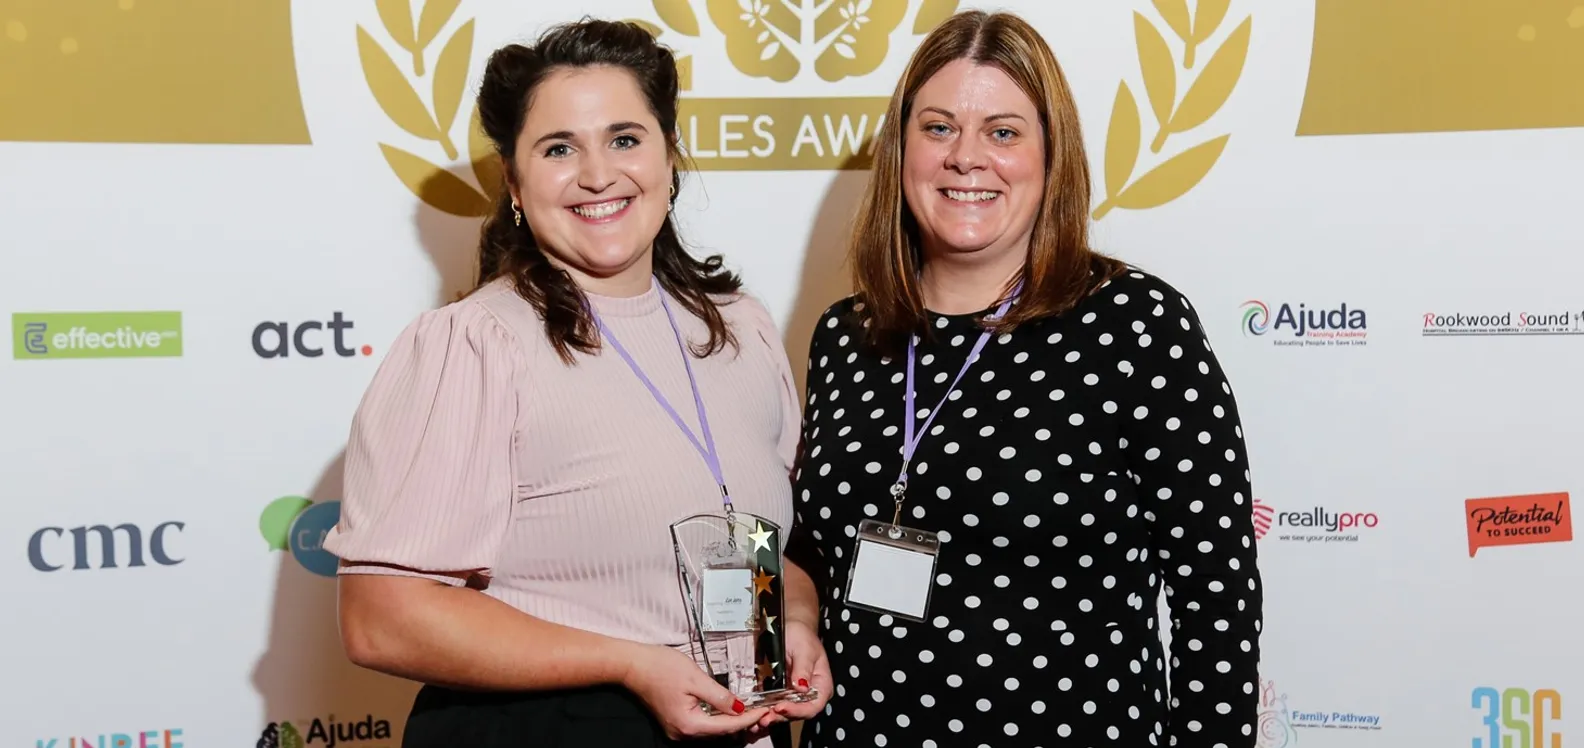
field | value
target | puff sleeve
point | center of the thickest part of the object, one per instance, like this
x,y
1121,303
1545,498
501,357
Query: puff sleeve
x,y
429,474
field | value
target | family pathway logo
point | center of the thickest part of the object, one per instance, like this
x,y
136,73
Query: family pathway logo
x,y
1518,717
1301,326
1518,520
297,524
58,335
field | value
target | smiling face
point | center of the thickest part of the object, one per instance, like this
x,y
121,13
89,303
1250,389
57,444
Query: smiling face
x,y
973,168
593,177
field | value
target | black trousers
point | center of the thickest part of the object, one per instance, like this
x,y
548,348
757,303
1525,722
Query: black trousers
x,y
588,718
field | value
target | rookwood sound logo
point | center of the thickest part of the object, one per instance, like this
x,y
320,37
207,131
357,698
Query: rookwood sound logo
x,y
810,44
1518,520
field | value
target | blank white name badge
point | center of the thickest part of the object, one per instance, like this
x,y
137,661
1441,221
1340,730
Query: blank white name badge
x,y
728,600
893,570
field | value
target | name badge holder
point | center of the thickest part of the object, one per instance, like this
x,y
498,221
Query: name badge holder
x,y
893,566
729,566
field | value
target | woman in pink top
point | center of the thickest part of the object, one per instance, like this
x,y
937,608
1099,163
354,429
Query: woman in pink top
x,y
511,476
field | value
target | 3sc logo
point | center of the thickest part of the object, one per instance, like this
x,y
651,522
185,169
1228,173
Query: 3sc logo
x,y
45,546
1522,714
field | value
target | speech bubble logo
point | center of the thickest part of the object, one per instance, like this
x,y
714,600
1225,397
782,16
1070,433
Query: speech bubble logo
x,y
1518,520
276,519
307,534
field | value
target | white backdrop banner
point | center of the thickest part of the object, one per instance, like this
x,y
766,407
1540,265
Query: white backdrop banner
x,y
215,215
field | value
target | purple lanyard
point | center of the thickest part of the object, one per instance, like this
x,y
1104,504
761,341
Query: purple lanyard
x,y
707,449
910,440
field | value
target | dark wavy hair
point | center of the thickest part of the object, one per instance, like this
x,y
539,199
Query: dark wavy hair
x,y
511,77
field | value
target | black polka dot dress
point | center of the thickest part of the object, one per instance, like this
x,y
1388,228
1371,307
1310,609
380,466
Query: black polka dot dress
x,y
1084,462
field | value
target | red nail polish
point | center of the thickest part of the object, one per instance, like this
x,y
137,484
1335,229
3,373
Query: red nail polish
x,y
803,682
737,706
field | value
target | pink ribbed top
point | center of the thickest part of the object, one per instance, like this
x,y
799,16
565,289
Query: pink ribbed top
x,y
475,447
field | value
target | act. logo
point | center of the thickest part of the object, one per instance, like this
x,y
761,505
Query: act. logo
x,y
298,524
304,339
1518,717
1300,325
325,732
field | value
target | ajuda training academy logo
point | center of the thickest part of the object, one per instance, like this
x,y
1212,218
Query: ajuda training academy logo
x,y
53,335
1314,525
1518,520
1290,326
298,524
324,732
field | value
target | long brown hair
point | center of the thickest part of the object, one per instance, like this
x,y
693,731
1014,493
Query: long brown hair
x,y
511,76
1061,269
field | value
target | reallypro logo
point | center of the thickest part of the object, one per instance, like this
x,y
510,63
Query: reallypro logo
x,y
298,524
49,335
1303,326
1317,524
1528,718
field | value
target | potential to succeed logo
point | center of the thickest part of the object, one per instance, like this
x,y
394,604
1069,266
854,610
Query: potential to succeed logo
x,y
297,524
1317,524
324,731
1524,715
1311,328
1518,520
1506,324
55,335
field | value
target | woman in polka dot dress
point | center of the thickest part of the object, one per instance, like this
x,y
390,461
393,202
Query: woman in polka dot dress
x,y
1090,456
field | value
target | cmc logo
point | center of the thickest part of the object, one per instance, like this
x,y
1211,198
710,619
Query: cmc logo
x,y
1339,325
47,544
1331,525
298,524
1521,714
139,739
281,339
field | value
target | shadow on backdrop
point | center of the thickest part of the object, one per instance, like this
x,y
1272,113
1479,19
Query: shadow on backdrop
x,y
304,673
825,276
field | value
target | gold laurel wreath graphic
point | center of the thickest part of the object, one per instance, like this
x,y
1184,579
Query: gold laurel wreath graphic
x,y
435,121
1174,177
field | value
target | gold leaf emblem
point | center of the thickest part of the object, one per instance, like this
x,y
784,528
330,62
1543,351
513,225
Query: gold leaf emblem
x,y
1205,96
931,14
433,121
837,39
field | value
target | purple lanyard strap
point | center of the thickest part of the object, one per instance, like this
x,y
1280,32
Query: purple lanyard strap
x,y
910,440
707,448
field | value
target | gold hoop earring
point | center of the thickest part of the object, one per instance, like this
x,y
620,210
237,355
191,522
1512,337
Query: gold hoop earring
x,y
673,191
516,214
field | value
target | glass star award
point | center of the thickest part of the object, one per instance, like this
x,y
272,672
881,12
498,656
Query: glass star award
x,y
730,571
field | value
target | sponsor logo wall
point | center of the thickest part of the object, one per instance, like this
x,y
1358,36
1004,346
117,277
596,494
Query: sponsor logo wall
x,y
1371,213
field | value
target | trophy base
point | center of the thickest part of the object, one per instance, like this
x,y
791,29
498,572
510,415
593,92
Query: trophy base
x,y
768,698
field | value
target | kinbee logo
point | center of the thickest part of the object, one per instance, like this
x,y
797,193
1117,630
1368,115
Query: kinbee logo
x,y
1518,717
297,524
60,335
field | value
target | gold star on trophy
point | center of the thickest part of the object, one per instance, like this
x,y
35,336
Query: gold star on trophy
x,y
761,537
761,582
769,622
765,670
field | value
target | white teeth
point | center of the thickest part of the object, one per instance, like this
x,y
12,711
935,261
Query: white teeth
x,y
601,210
971,197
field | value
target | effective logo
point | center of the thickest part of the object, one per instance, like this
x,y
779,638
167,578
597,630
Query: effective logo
x,y
329,732
141,739
1314,328
52,335
298,524
1522,714
1518,520
1337,526
281,339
